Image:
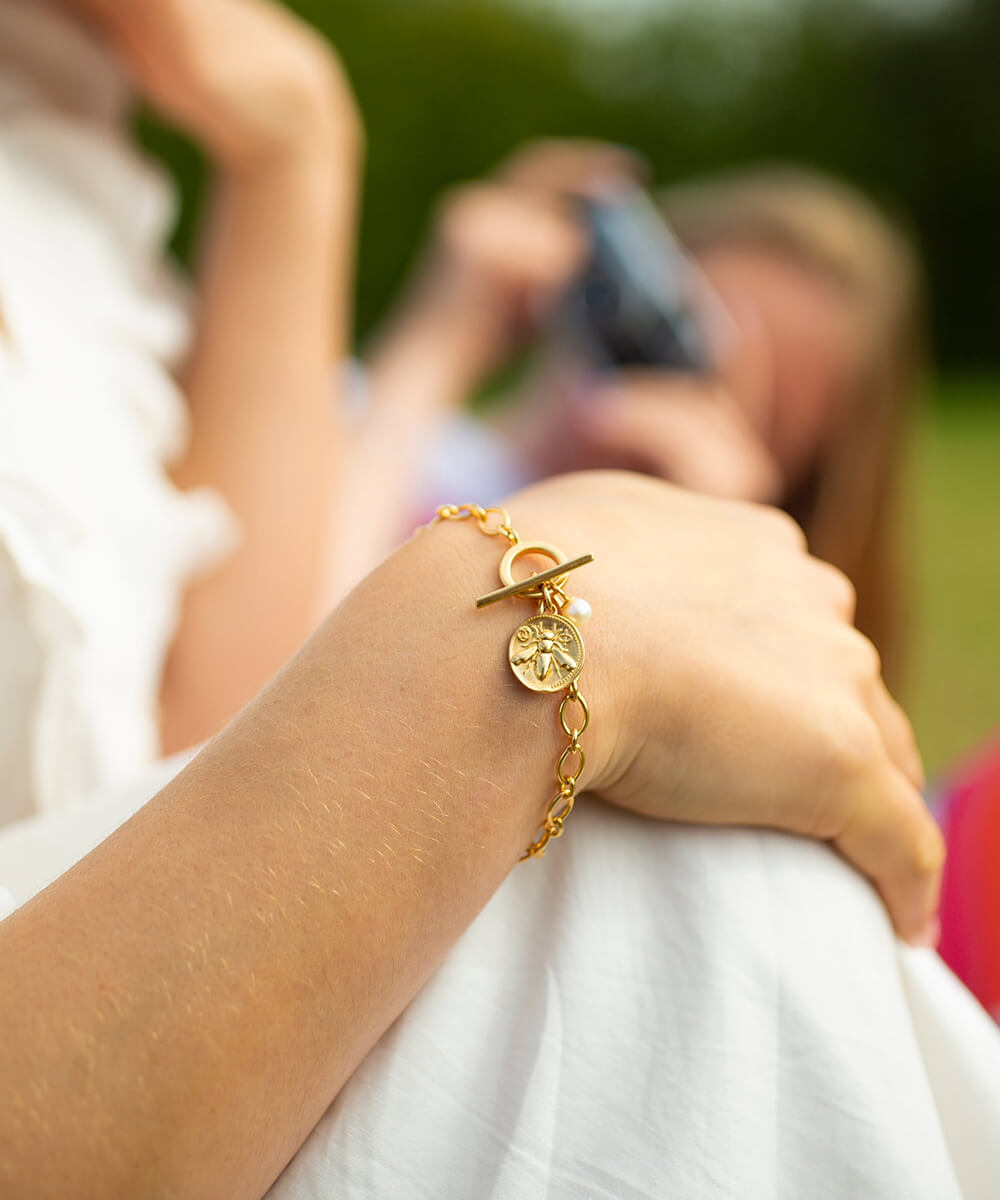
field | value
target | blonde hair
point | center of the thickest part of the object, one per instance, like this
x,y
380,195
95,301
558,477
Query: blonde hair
x,y
848,503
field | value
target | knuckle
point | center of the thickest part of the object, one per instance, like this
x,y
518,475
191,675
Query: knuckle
x,y
863,655
912,748
928,851
781,526
909,746
829,818
853,745
840,590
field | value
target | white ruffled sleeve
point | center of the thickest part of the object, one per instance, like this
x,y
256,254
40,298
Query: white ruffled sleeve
x,y
96,544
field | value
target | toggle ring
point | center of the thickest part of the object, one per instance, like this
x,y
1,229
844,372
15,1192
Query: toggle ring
x,y
543,548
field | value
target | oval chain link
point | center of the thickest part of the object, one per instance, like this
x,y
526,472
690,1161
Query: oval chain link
x,y
561,804
463,512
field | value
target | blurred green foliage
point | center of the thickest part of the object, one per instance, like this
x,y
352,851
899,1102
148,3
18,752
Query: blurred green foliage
x,y
953,692
903,106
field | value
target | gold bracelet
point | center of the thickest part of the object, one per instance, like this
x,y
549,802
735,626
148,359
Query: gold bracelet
x,y
546,651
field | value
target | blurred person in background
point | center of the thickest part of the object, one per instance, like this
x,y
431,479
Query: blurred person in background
x,y
808,406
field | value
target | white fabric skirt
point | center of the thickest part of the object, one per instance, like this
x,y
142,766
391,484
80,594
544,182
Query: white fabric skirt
x,y
651,1012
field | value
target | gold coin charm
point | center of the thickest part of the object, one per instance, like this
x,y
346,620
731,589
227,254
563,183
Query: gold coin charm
x,y
546,653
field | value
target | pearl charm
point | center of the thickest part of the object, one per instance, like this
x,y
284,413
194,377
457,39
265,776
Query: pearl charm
x,y
577,610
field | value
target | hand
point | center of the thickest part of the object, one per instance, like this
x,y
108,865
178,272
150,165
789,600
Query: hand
x,y
685,429
502,250
245,78
706,433
727,684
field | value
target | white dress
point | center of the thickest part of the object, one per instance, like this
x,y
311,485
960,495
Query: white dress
x,y
649,1013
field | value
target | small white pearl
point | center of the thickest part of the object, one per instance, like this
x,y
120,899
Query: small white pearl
x,y
578,610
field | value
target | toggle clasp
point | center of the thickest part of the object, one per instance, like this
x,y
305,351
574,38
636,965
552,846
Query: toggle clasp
x,y
532,587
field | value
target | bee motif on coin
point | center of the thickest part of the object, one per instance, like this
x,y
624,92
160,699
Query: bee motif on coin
x,y
546,653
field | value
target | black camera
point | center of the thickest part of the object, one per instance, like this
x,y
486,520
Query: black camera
x,y
639,300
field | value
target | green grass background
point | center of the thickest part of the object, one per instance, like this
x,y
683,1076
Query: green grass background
x,y
953,688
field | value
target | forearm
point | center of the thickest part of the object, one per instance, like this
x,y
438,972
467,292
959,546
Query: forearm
x,y
428,359
414,381
180,1008
265,429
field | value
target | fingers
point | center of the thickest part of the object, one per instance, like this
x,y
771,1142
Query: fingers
x,y
511,236
897,733
840,596
864,668
570,167
782,530
685,430
890,836
746,359
521,214
883,825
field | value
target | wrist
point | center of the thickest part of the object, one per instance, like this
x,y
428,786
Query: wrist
x,y
602,686
451,319
315,127
294,196
546,668
317,155
451,684
419,365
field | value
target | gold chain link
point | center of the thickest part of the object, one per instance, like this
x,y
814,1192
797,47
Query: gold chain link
x,y
495,522
462,512
561,804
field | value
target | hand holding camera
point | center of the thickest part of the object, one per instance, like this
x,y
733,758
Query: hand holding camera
x,y
562,251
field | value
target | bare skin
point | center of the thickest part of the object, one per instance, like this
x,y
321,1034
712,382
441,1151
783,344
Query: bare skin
x,y
179,1009
267,100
